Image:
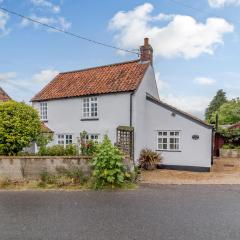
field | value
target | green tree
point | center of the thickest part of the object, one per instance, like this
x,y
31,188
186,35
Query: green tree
x,y
228,113
19,125
218,100
108,167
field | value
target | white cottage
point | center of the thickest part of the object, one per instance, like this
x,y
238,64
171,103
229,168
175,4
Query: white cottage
x,y
122,101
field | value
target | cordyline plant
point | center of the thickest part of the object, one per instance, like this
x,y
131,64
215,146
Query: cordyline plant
x,y
149,159
19,126
108,167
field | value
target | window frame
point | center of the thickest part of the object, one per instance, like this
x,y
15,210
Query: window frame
x,y
43,111
90,103
64,138
168,143
88,137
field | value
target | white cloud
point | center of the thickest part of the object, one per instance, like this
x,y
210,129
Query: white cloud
x,y
5,77
204,81
59,22
47,4
223,3
161,84
193,104
45,76
4,17
182,35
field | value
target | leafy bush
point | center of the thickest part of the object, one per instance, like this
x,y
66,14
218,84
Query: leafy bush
x,y
230,146
59,150
19,126
42,140
71,150
108,167
149,159
231,136
88,147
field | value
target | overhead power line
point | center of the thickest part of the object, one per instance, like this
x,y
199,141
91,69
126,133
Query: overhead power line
x,y
66,32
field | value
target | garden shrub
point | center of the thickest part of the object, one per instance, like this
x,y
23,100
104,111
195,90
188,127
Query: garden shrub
x,y
19,126
71,150
88,147
149,159
108,167
59,150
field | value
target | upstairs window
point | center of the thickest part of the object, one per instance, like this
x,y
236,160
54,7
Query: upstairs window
x,y
169,140
64,139
43,111
90,107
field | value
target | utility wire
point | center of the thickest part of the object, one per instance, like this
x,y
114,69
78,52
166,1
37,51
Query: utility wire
x,y
66,32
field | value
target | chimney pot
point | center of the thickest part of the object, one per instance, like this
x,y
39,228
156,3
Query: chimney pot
x,y
146,42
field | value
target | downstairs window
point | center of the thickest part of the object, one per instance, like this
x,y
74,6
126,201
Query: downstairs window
x,y
64,139
168,140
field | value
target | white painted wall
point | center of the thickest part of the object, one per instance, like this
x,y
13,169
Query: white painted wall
x,y
140,117
193,152
64,116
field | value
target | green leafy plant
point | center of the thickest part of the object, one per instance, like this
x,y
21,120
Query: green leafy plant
x,y
59,150
42,140
229,112
108,167
19,126
231,136
88,147
71,150
149,159
218,100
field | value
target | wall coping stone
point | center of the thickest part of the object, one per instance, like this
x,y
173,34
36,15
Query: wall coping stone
x,y
46,157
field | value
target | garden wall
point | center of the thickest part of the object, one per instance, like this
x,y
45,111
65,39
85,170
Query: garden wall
x,y
31,167
229,153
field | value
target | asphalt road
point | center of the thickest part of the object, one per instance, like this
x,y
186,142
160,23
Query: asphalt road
x,y
160,212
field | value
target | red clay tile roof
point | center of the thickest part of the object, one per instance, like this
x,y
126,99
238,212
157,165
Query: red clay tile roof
x,y
3,96
119,77
45,128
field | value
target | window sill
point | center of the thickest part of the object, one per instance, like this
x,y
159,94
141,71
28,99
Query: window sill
x,y
168,150
89,119
44,120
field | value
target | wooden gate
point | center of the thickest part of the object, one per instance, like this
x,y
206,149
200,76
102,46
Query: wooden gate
x,y
125,140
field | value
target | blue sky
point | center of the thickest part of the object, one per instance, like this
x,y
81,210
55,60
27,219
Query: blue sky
x,y
196,48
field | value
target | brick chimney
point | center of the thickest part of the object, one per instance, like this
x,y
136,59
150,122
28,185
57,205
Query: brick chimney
x,y
146,51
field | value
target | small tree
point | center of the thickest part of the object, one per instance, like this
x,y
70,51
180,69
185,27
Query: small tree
x,y
108,167
229,112
218,100
19,126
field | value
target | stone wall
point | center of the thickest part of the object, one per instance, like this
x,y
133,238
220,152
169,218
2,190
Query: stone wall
x,y
31,167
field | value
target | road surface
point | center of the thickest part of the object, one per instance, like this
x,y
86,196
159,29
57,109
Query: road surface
x,y
151,212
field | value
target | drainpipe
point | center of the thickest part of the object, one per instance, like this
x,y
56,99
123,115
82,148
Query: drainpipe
x,y
131,108
130,123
